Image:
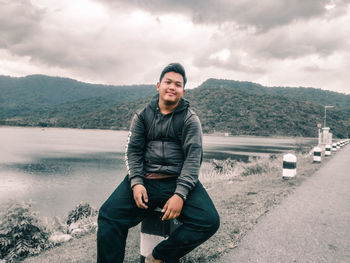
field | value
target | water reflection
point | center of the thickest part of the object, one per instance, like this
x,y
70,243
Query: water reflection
x,y
68,165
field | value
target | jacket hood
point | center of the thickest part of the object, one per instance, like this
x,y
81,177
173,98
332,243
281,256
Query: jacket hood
x,y
183,104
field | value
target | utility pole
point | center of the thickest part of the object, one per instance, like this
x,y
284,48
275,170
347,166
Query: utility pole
x,y
319,126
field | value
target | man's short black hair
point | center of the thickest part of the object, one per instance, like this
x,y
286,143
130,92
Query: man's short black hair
x,y
174,67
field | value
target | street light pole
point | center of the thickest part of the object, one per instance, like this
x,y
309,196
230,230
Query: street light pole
x,y
319,126
325,114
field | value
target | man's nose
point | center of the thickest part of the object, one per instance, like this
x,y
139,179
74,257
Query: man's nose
x,y
172,86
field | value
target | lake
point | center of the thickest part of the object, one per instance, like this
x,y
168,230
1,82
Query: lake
x,y
58,168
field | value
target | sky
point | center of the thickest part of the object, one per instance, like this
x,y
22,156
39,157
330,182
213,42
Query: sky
x,y
296,43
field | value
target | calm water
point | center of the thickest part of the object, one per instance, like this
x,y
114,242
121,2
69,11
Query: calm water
x,y
59,168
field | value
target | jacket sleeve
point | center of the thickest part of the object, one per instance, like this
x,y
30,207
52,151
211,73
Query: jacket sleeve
x,y
193,152
134,151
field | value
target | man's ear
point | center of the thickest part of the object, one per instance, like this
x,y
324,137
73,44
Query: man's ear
x,y
158,84
184,91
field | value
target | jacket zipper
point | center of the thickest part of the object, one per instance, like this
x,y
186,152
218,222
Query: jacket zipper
x,y
160,116
162,140
163,151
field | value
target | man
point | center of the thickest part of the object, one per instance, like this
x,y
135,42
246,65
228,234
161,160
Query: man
x,y
163,158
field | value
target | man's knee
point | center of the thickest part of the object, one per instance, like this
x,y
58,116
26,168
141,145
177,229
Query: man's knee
x,y
101,223
210,224
101,214
214,222
104,220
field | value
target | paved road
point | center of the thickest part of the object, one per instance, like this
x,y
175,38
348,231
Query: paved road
x,y
310,225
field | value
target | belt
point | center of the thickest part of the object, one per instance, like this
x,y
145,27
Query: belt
x,y
159,176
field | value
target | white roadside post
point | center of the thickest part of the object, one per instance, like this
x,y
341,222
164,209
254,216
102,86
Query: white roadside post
x,y
289,166
327,150
154,231
317,154
334,147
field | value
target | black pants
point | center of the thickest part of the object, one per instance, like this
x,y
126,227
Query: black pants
x,y
119,213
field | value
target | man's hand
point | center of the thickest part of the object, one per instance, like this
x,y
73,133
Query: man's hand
x,y
173,207
140,196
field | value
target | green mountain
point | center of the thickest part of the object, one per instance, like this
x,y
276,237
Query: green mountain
x,y
240,112
222,105
20,96
318,96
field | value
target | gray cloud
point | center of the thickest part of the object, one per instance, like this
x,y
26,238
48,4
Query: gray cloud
x,y
262,15
243,39
233,62
24,32
314,69
19,20
108,54
304,40
293,41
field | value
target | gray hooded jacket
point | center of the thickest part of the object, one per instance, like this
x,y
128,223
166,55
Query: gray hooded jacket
x,y
165,144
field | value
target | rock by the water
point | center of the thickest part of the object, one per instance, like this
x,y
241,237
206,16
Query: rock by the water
x,y
59,237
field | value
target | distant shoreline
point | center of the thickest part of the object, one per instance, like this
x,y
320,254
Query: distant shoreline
x,y
126,130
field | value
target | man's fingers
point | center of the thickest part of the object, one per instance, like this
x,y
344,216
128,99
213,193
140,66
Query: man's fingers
x,y
165,211
140,196
145,196
174,215
141,203
170,215
166,215
165,207
172,208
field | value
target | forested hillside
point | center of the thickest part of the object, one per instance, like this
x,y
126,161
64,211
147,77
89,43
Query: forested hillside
x,y
238,112
223,106
20,96
318,96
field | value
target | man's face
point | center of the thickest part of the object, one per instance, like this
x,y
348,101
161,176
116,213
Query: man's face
x,y
171,88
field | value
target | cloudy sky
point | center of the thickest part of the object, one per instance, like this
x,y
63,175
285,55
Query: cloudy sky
x,y
271,42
